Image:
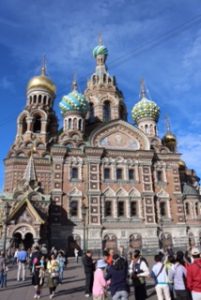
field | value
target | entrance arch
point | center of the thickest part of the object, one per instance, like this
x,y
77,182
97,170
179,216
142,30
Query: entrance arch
x,y
109,242
135,241
73,242
28,240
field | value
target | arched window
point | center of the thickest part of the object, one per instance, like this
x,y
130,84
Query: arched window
x,y
69,123
106,111
45,100
80,124
39,99
121,112
34,99
37,124
24,125
74,208
91,112
74,123
162,209
187,209
146,129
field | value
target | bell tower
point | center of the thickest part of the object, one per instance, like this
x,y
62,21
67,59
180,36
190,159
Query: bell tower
x,y
106,101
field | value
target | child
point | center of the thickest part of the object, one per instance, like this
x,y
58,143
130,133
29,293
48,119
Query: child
x,y
99,285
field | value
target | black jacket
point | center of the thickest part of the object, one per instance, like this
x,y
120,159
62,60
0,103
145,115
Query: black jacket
x,y
88,264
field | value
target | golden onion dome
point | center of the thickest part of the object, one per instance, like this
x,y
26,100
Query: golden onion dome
x,y
182,164
42,81
169,137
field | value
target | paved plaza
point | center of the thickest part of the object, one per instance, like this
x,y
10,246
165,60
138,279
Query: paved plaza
x,y
72,287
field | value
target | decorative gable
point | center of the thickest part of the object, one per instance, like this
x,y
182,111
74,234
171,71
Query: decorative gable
x,y
119,135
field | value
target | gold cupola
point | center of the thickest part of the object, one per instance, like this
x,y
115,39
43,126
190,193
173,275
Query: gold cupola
x,y
169,140
41,82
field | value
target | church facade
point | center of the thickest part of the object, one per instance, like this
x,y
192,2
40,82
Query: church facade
x,y
99,182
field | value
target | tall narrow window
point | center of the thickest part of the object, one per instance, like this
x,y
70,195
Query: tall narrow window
x,y
80,124
159,175
163,209
37,124
196,209
119,174
106,111
121,208
24,125
187,208
133,208
106,173
74,208
131,174
74,173
108,208
91,112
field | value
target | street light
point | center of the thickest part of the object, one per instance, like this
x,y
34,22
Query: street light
x,y
6,213
84,217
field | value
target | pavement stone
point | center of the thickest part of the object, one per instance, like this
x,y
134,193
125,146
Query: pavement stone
x,y
71,288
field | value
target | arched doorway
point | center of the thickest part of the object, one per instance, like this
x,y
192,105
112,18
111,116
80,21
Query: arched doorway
x,y
165,241
135,241
28,240
73,242
110,242
17,240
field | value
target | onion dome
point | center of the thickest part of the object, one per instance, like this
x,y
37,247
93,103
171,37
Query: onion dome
x,y
74,101
182,164
169,140
42,82
145,108
100,50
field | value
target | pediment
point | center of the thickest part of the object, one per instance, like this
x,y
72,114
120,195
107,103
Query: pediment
x,y
163,194
119,135
122,193
109,193
75,192
134,193
25,212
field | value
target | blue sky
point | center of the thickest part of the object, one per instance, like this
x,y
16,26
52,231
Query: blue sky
x,y
158,40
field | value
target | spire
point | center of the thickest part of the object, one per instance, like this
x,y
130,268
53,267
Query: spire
x,y
74,83
100,39
167,123
44,66
30,173
143,92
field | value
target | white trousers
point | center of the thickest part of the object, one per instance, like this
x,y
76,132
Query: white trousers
x,y
21,271
162,292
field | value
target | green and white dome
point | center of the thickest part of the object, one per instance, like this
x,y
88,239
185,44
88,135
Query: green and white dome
x,y
100,50
145,109
74,101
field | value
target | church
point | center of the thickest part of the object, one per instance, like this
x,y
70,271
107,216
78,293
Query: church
x,y
99,182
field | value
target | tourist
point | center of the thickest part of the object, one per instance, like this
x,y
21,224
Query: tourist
x,y
110,257
15,256
160,277
61,261
179,277
139,270
53,275
76,253
117,274
89,267
21,260
169,266
194,275
99,284
38,275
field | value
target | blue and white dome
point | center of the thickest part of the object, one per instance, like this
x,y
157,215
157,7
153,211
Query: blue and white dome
x,y
74,101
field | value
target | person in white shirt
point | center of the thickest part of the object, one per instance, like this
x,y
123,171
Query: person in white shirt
x,y
138,271
159,274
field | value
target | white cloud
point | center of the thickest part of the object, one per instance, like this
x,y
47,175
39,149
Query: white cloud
x,y
6,84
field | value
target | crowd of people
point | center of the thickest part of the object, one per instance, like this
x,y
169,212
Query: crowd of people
x,y
176,276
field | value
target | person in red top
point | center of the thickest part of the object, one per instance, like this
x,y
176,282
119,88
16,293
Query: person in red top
x,y
194,275
110,257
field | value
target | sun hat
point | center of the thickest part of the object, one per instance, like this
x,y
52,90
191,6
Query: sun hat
x,y
195,251
101,264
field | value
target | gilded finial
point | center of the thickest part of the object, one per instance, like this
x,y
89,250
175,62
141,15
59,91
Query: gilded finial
x,y
143,92
33,149
100,39
44,66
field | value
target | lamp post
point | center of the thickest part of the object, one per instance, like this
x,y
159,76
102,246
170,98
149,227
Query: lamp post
x,y
84,218
6,211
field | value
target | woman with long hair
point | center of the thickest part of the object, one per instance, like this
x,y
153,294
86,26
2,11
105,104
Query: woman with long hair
x,y
117,273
